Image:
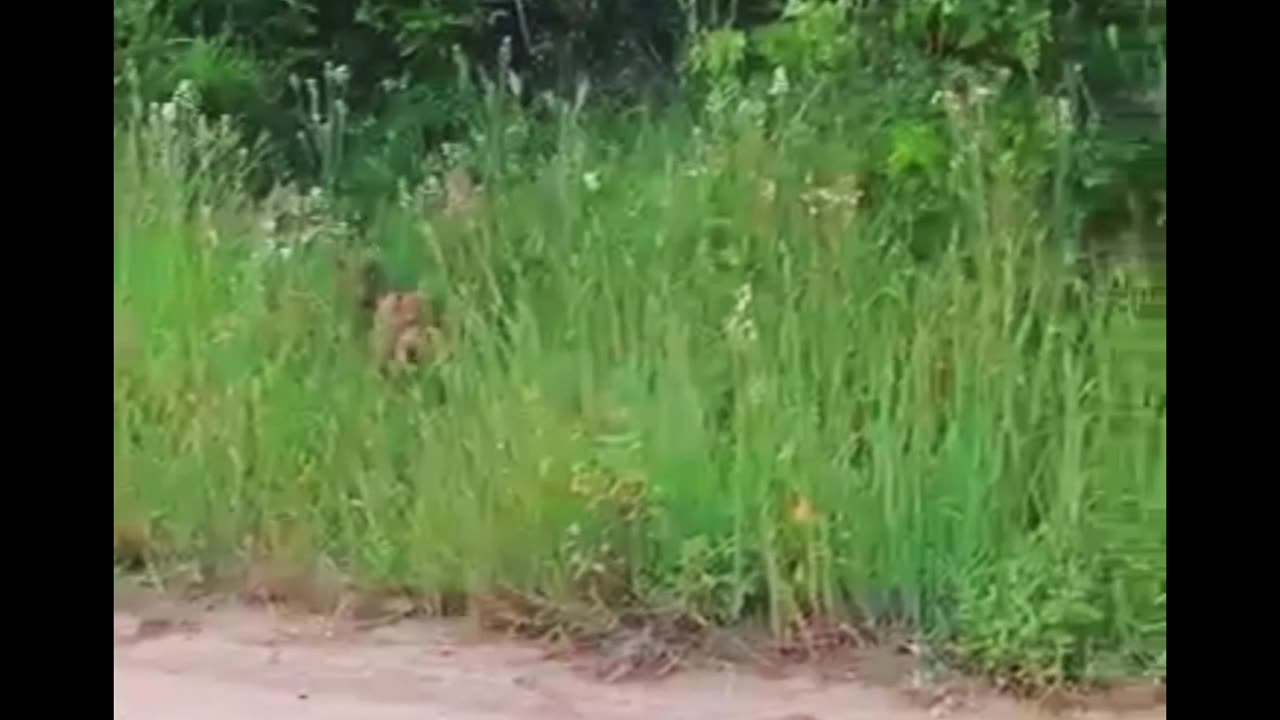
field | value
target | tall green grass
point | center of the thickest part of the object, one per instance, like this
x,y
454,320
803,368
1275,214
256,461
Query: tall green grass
x,y
693,369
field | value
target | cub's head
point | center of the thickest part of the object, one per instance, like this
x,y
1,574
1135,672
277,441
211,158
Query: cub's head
x,y
405,326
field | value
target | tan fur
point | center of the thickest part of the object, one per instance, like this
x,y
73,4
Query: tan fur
x,y
405,331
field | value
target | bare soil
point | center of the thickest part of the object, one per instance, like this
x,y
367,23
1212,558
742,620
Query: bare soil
x,y
189,662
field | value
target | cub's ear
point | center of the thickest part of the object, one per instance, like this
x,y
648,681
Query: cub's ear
x,y
387,309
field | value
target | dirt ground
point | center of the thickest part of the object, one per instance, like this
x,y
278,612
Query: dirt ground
x,y
235,662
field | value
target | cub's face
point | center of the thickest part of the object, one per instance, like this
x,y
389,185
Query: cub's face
x,y
397,328
405,330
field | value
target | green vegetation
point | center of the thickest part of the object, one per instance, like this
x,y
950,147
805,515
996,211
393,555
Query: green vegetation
x,y
805,337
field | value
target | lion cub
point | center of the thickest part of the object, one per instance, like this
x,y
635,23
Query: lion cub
x,y
406,330
403,328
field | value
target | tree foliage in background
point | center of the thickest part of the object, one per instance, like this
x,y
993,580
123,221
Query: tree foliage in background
x,y
1105,58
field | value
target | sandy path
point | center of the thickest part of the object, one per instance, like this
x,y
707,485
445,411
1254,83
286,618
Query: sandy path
x,y
240,664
